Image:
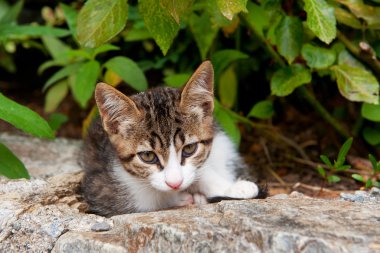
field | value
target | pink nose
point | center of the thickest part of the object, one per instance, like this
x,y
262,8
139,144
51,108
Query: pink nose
x,y
174,185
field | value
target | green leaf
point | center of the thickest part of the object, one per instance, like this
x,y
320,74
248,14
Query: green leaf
x,y
343,168
343,152
10,17
10,165
177,9
262,110
371,112
369,13
368,183
159,22
333,179
4,8
129,71
345,58
374,162
346,18
376,184
318,57
137,34
286,79
371,135
321,19
101,20
203,31
48,64
227,88
85,82
105,48
23,118
55,95
9,31
321,171
223,58
357,84
358,177
257,18
228,124
177,80
56,120
231,7
326,161
62,73
289,35
56,48
71,16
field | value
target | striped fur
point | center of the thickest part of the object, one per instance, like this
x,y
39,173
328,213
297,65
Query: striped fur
x,y
163,121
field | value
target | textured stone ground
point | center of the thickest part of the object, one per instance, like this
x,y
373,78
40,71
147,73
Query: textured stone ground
x,y
46,214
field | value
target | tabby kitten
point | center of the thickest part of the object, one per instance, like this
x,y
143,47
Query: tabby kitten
x,y
159,149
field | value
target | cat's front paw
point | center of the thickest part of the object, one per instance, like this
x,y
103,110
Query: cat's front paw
x,y
242,190
184,199
199,199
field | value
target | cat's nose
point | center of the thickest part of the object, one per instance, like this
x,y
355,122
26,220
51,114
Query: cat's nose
x,y
174,185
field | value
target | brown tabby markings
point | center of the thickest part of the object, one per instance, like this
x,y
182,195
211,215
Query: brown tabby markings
x,y
151,120
160,112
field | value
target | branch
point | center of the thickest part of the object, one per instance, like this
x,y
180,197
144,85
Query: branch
x,y
306,94
363,51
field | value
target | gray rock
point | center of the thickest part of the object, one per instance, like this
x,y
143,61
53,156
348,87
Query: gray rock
x,y
101,227
279,196
373,196
289,225
47,214
375,192
35,213
44,158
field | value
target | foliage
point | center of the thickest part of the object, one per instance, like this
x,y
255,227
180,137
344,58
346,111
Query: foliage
x,y
374,178
309,48
337,166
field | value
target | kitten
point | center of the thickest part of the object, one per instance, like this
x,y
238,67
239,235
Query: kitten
x,y
160,149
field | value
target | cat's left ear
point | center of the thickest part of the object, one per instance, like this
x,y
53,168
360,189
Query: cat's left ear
x,y
198,94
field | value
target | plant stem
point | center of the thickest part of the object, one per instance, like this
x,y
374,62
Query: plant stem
x,y
363,55
270,132
323,112
306,94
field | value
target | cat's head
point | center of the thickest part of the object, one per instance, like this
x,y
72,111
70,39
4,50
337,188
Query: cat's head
x,y
162,136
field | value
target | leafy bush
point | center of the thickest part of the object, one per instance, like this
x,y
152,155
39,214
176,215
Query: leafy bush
x,y
290,46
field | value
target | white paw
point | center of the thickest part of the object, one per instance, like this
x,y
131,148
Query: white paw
x,y
199,199
242,190
184,199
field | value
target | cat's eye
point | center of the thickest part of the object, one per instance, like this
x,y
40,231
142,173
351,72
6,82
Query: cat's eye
x,y
189,150
148,157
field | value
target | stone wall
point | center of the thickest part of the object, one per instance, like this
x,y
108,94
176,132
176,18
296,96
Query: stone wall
x,y
47,214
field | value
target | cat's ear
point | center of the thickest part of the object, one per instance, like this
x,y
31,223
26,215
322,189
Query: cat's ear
x,y
198,94
114,107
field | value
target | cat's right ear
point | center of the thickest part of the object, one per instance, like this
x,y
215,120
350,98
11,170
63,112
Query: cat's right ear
x,y
114,107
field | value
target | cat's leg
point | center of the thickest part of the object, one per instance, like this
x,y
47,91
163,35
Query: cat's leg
x,y
218,175
179,199
185,198
214,184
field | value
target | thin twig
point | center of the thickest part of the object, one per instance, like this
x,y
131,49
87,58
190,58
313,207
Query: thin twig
x,y
271,132
364,53
269,168
307,95
323,112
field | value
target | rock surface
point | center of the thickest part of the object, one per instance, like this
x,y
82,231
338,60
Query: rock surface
x,y
44,158
46,214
